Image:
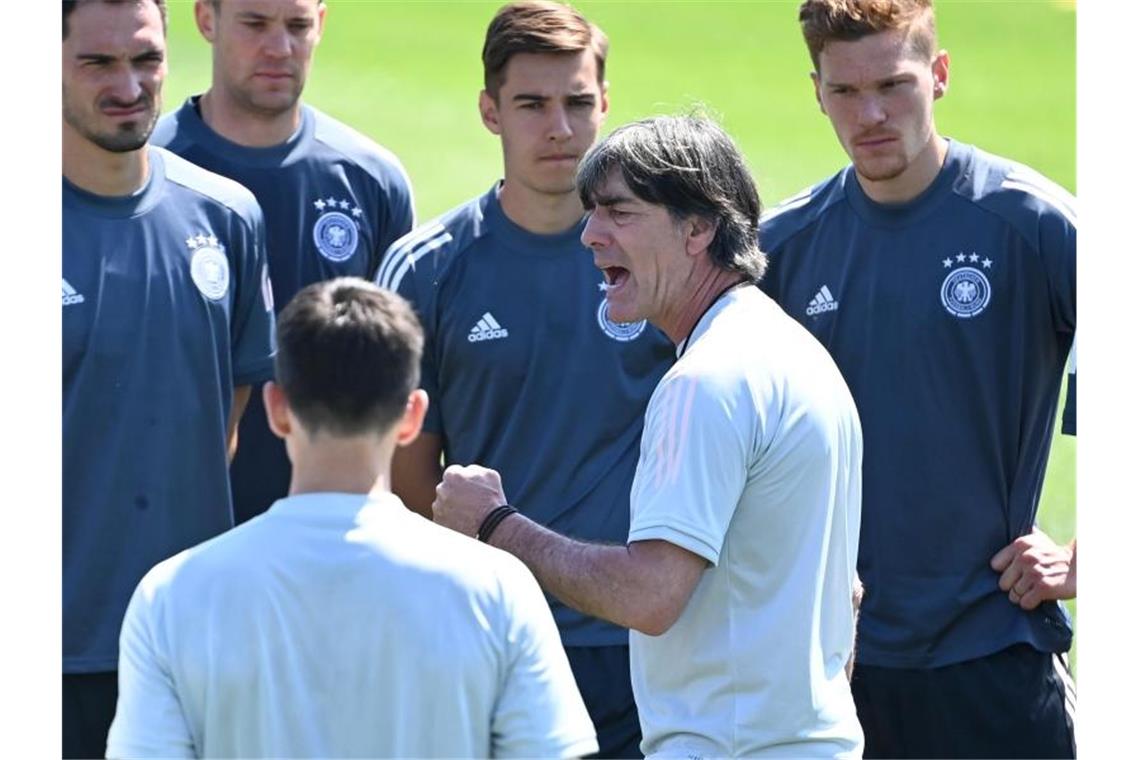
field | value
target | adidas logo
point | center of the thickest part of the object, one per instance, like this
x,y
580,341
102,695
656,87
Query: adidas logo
x,y
71,295
822,302
486,329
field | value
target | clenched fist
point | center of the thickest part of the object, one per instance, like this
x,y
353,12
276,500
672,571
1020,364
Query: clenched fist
x,y
465,496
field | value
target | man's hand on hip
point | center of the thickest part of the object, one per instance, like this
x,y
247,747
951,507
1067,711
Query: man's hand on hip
x,y
1034,569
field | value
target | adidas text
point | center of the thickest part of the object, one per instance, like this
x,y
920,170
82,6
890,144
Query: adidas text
x,y
475,337
71,295
823,301
487,328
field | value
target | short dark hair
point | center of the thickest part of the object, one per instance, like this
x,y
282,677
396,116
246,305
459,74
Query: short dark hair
x,y
348,356
689,165
824,21
538,26
69,7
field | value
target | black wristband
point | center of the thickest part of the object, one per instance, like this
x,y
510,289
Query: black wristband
x,y
492,520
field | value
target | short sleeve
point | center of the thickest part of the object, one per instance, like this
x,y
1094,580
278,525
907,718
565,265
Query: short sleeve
x,y
253,337
1069,415
397,215
693,466
1058,242
149,721
539,711
397,273
769,283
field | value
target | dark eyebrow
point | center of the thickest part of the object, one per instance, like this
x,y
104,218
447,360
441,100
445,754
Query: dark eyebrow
x,y
529,97
95,57
252,16
601,199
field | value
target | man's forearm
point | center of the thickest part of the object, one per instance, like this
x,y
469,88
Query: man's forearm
x,y
597,579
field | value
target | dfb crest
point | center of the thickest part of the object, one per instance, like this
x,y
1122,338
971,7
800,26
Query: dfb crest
x,y
209,267
619,331
335,232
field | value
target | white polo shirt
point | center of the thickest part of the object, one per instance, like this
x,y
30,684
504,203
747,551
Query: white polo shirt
x,y
336,625
751,458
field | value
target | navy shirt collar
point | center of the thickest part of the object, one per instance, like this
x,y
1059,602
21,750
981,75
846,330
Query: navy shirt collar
x,y
531,243
899,214
273,156
121,206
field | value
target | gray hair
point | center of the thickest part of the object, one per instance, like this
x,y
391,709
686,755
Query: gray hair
x,y
689,165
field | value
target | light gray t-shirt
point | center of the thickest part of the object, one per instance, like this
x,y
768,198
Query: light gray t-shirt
x,y
338,625
751,459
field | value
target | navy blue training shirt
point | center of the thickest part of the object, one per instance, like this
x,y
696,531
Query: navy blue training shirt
x,y
528,375
334,201
165,310
951,318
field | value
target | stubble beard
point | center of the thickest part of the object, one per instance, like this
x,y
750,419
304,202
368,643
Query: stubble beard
x,y
881,170
127,137
267,106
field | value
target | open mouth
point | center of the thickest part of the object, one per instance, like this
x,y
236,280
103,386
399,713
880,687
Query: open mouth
x,y
615,277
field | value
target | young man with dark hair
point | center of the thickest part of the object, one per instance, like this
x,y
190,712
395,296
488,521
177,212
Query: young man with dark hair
x,y
165,327
520,337
737,574
338,623
333,199
942,279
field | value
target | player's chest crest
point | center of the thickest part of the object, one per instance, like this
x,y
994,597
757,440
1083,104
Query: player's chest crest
x,y
966,291
622,332
209,267
336,228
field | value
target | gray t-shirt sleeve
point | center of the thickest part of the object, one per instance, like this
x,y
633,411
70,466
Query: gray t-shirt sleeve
x,y
149,721
539,712
693,466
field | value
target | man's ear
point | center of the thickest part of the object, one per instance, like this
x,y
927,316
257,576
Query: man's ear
x,y
322,9
699,235
489,112
605,99
815,84
276,409
409,426
206,19
940,69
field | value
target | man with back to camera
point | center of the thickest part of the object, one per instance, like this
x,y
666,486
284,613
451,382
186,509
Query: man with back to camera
x,y
338,623
738,573
333,199
520,336
165,326
942,279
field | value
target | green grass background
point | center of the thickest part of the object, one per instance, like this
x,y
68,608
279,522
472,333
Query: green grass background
x,y
408,75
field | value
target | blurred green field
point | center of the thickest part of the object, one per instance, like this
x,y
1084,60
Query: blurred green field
x,y
408,75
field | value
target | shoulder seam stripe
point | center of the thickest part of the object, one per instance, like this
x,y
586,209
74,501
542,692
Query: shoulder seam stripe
x,y
413,238
1043,195
1030,177
1027,176
800,199
404,245
785,206
397,276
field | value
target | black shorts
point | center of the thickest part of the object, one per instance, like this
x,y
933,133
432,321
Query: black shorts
x,y
88,708
1018,702
602,674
